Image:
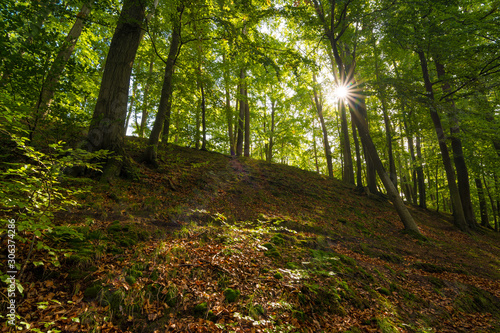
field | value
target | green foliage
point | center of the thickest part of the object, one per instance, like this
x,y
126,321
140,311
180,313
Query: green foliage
x,y
231,295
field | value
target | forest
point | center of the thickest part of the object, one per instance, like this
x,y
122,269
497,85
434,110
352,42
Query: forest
x,y
152,126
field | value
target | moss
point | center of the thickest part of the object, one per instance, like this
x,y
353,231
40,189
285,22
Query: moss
x,y
384,291
273,253
478,300
130,279
292,265
154,275
438,283
200,309
278,276
113,298
391,258
431,268
255,311
92,292
231,295
298,315
269,246
386,326
277,239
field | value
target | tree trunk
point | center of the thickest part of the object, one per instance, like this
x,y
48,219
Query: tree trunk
x,y
359,116
388,131
246,149
326,144
49,86
420,176
132,106
359,168
163,116
107,126
241,115
458,155
229,114
458,212
315,146
348,171
482,203
145,102
371,151
359,108
271,136
203,119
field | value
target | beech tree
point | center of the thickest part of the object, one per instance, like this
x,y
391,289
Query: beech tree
x,y
106,129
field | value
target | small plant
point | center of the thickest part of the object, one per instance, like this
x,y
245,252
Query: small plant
x,y
231,295
31,188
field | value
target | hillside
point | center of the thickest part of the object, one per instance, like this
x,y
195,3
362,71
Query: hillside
x,y
211,243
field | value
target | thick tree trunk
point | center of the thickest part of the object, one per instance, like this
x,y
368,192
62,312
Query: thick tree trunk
x,y
326,144
162,120
458,155
359,116
107,126
458,212
371,151
359,108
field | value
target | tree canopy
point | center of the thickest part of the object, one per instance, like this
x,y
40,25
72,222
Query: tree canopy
x,y
259,78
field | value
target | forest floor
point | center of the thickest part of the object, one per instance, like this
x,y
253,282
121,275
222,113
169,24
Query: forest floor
x,y
210,243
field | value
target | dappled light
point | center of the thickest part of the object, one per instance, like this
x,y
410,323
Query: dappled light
x,y
250,166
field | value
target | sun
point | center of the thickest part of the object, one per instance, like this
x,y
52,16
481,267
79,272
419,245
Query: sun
x,y
341,92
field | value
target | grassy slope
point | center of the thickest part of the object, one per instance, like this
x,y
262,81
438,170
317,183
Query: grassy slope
x,y
303,253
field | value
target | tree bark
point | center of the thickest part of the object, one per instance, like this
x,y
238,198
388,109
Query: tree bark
x,y
458,212
359,169
107,126
388,130
458,154
51,81
485,222
246,150
326,144
203,119
229,114
241,115
315,146
348,171
145,101
271,135
359,116
132,106
371,151
162,119
359,108
420,175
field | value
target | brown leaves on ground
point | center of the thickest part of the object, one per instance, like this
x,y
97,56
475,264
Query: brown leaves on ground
x,y
305,253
